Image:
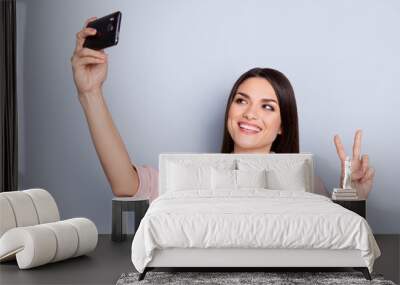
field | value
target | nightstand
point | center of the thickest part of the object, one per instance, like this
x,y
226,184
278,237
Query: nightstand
x,y
357,206
126,204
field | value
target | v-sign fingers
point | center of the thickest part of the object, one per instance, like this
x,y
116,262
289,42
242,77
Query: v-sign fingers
x,y
339,148
357,145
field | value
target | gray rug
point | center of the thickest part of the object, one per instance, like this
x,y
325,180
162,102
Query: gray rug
x,y
229,278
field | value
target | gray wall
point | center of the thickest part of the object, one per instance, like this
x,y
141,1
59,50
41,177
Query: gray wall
x,y
169,79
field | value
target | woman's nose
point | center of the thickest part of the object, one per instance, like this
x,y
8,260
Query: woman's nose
x,y
250,113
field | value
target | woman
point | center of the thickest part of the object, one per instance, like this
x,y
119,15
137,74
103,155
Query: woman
x,y
260,117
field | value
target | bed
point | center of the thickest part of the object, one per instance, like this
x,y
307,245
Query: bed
x,y
247,211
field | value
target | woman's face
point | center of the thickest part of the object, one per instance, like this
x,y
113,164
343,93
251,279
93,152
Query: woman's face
x,y
255,103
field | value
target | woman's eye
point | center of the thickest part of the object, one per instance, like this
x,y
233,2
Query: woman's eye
x,y
271,108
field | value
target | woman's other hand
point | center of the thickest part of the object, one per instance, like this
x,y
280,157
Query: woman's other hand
x,y
362,175
89,66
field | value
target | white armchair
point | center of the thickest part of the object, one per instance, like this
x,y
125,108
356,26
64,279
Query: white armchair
x,y
31,231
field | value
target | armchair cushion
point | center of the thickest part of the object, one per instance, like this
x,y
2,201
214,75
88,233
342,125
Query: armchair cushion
x,y
32,233
46,243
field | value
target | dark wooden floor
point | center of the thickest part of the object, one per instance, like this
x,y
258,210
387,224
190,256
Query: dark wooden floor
x,y
111,259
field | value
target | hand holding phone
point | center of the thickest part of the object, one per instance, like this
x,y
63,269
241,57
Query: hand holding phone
x,y
107,31
89,66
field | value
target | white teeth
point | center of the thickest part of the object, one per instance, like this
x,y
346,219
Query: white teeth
x,y
247,127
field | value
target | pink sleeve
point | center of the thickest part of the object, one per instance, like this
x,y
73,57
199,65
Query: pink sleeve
x,y
319,187
148,182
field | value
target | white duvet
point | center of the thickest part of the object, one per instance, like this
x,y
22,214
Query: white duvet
x,y
250,218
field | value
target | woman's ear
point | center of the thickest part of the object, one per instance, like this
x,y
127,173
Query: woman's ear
x,y
280,131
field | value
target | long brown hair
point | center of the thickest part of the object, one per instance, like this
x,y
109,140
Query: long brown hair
x,y
288,141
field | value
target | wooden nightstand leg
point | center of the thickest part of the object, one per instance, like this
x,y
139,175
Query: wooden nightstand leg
x,y
137,218
116,232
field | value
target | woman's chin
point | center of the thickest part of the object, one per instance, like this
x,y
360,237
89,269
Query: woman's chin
x,y
247,137
245,143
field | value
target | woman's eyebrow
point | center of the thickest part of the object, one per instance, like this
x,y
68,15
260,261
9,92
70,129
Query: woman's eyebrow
x,y
263,99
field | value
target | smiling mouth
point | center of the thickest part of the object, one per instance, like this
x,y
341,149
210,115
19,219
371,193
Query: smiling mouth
x,y
248,130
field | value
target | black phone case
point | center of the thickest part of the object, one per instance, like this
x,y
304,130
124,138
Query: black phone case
x,y
107,34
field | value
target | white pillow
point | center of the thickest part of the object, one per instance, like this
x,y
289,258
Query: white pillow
x,y
183,177
252,178
223,179
282,174
293,179
236,179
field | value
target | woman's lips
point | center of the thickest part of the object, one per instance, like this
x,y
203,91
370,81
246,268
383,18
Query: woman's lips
x,y
247,132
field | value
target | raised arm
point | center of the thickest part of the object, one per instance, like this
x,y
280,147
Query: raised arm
x,y
90,71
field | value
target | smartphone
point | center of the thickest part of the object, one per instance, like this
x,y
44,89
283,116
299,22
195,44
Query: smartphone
x,y
107,32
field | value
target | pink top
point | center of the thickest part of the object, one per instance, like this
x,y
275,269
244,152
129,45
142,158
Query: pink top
x,y
148,183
